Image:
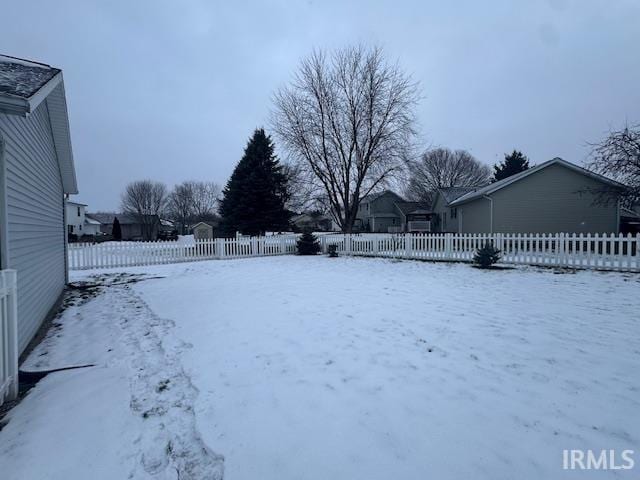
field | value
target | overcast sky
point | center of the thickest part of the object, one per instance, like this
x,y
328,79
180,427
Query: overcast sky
x,y
172,90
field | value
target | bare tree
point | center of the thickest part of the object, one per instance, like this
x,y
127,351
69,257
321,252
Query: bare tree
x,y
180,205
145,199
193,201
618,157
440,168
347,120
206,196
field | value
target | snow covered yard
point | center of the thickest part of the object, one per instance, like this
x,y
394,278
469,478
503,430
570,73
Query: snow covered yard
x,y
316,368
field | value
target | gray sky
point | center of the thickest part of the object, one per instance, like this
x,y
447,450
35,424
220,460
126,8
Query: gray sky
x,y
172,90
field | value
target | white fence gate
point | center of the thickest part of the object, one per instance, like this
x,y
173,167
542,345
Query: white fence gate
x,y
84,256
8,336
603,252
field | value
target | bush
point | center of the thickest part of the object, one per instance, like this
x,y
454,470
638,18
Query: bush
x,y
308,244
332,250
486,256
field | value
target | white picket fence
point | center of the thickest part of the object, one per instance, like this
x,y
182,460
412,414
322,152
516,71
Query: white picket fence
x,y
604,252
84,256
8,336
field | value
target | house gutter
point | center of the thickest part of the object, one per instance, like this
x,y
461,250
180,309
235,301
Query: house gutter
x,y
490,212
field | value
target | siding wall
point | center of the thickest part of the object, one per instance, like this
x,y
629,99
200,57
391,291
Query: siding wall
x,y
552,200
474,217
35,217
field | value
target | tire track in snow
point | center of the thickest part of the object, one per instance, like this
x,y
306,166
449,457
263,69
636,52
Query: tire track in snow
x,y
161,392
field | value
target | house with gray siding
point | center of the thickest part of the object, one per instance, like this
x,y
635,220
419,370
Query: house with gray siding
x,y
554,197
133,227
388,212
36,172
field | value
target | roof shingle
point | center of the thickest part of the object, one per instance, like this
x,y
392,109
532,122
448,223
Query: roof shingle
x,y
23,78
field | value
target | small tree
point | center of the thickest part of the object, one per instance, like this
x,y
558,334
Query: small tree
x,y
486,256
116,231
308,244
513,163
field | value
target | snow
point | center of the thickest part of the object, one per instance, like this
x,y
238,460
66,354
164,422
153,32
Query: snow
x,y
314,368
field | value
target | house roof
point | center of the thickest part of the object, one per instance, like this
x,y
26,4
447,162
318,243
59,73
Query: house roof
x,y
90,221
23,78
408,208
451,193
374,196
489,189
70,202
107,218
24,85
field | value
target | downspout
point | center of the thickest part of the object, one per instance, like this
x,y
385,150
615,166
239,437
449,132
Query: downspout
x,y
490,212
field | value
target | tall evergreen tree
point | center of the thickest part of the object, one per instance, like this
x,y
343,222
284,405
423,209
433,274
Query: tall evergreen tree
x,y
513,163
254,198
116,231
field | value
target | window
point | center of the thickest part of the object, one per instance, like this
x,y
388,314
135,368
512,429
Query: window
x,y
78,211
453,213
70,228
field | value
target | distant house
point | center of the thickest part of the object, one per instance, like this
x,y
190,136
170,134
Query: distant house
x,y
36,171
313,221
131,226
553,197
388,212
204,230
78,224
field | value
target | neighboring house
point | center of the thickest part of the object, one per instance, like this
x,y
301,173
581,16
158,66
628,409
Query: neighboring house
x,y
630,219
78,223
313,221
131,226
553,197
388,212
203,231
445,219
36,171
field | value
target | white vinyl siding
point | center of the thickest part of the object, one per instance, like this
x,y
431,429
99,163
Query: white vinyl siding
x,y
35,217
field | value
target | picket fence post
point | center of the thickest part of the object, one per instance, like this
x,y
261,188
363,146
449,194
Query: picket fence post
x,y
448,250
219,247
